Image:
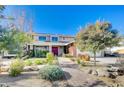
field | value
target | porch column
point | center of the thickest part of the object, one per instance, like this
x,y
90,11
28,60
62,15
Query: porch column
x,y
50,48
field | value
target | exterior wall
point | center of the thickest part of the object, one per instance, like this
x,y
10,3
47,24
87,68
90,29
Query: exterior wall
x,y
72,49
61,38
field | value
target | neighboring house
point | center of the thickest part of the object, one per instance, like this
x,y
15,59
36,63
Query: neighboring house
x,y
57,44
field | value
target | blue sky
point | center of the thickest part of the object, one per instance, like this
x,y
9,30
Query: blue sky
x,y
68,19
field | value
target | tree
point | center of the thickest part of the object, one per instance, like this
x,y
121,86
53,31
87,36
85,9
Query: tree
x,y
96,37
13,40
21,40
2,7
6,39
13,37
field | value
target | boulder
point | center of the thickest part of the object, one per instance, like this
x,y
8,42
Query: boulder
x,y
88,71
113,69
40,66
102,73
59,84
94,72
120,71
27,68
3,85
115,73
4,69
112,75
34,68
30,68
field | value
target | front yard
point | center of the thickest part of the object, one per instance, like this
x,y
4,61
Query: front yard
x,y
75,75
29,79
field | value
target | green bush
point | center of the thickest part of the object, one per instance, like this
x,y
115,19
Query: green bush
x,y
34,61
68,55
50,58
40,53
38,62
16,68
31,54
28,63
81,62
78,61
51,72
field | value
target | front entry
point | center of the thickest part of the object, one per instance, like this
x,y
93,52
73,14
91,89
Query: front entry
x,y
55,50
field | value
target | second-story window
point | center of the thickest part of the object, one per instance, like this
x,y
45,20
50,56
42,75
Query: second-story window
x,y
42,38
54,39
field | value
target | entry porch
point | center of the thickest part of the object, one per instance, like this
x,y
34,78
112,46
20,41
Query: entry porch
x,y
57,49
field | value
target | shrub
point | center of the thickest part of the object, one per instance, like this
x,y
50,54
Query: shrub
x,y
73,59
40,53
31,53
78,61
84,57
51,72
84,64
81,62
16,68
50,58
28,63
68,55
38,62
44,53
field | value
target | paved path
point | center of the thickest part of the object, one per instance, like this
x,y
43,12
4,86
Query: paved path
x,y
74,76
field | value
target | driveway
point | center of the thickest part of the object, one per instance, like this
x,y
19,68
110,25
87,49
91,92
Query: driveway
x,y
106,60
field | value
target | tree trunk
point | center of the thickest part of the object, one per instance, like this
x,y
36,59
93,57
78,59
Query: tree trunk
x,y
95,58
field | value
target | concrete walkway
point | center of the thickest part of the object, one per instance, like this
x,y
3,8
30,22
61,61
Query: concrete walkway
x,y
75,77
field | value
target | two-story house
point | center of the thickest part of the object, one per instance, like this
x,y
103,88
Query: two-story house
x,y
57,44
63,44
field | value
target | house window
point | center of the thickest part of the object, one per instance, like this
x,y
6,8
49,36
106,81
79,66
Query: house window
x,y
42,38
54,39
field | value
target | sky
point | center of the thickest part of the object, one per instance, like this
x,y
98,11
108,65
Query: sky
x,y
69,19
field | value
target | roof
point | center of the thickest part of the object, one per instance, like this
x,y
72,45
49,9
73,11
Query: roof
x,y
52,34
38,43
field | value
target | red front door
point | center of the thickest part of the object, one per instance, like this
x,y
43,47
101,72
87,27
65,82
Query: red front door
x,y
55,50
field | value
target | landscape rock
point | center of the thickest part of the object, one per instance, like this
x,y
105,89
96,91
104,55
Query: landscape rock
x,y
115,73
3,85
94,72
27,68
30,68
113,69
4,69
121,71
59,84
34,68
102,73
40,66
112,75
88,71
